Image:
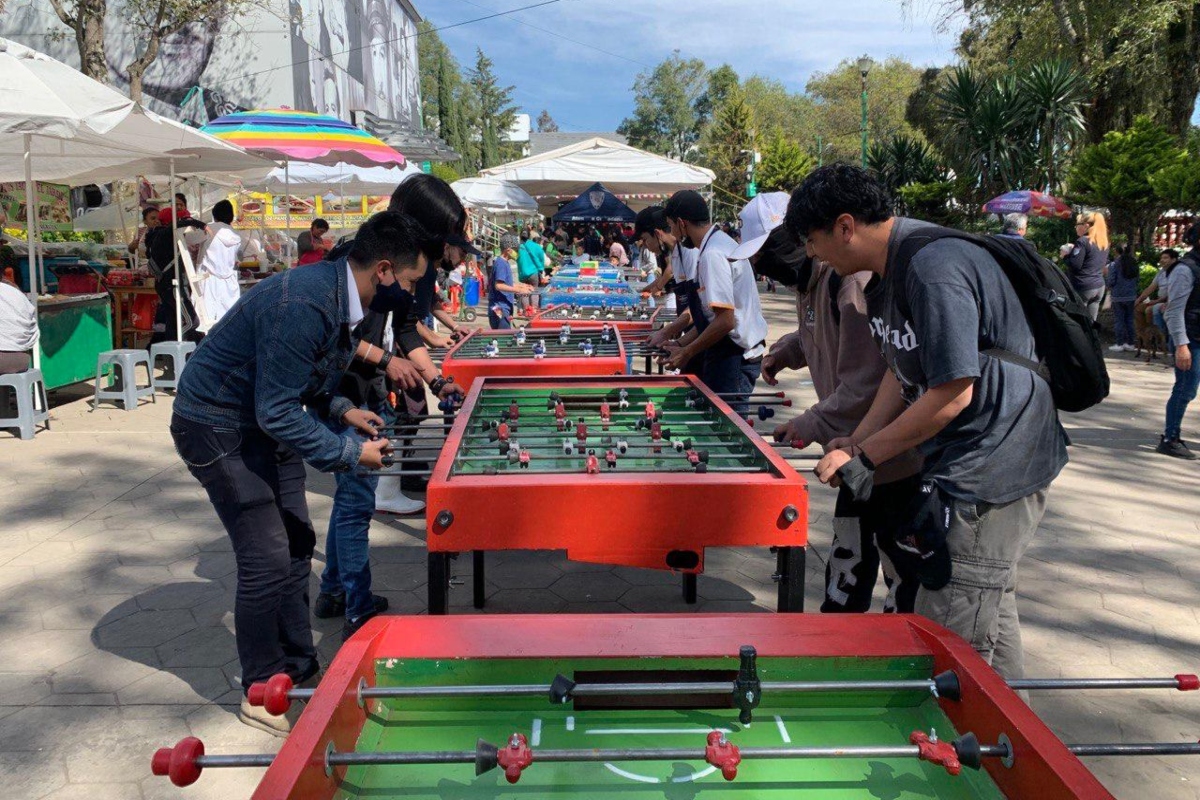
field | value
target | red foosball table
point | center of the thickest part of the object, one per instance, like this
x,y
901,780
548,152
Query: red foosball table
x,y
543,353
639,471
652,706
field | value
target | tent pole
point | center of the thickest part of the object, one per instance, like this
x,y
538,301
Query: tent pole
x,y
342,192
287,210
175,257
31,240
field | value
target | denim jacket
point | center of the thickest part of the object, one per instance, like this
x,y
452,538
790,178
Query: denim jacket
x,y
283,346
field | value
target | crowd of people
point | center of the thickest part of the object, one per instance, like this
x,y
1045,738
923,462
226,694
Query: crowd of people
x,y
936,414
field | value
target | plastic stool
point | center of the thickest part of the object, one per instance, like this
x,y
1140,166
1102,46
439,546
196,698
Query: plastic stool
x,y
32,407
129,393
178,353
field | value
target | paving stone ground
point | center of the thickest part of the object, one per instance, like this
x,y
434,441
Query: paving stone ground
x,y
116,590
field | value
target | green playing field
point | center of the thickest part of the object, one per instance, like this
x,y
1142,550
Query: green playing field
x,y
702,429
820,720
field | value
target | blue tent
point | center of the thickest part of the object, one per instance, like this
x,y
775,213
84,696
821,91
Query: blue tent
x,y
597,204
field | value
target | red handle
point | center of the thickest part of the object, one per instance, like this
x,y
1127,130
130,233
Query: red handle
x,y
272,695
179,762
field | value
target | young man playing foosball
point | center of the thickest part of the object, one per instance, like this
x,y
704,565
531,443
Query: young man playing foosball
x,y
240,424
957,342
729,331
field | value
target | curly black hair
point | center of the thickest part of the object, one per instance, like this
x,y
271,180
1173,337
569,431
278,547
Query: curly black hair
x,y
834,190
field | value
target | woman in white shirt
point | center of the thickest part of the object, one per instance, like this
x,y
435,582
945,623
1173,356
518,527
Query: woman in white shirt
x,y
219,287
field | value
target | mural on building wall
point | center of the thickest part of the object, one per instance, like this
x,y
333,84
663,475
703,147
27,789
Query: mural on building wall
x,y
342,55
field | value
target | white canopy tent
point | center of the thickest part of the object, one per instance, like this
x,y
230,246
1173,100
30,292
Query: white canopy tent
x,y
625,171
494,196
64,127
346,179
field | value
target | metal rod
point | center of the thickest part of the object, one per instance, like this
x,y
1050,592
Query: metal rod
x,y
1137,749
1050,684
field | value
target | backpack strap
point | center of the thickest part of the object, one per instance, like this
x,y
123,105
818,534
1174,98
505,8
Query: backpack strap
x,y
917,241
835,286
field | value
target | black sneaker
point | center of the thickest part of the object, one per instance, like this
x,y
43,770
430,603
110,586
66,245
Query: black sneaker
x,y
1175,449
414,483
329,606
352,625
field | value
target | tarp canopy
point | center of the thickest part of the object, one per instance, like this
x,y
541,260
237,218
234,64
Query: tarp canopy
x,y
345,179
625,170
494,196
597,204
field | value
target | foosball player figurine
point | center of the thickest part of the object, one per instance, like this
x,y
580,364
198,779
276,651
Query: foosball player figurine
x,y
560,410
492,350
605,413
581,431
650,410
514,411
606,333
539,349
593,464
524,459
520,336
611,458
623,400
587,348
502,431
629,312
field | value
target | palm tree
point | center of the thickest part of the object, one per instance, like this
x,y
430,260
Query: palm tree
x,y
1056,93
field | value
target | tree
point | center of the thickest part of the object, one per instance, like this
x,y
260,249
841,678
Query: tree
x,y
1178,183
837,95
155,20
790,114
86,19
430,52
496,113
729,144
1139,58
784,165
721,82
1120,173
665,118
546,123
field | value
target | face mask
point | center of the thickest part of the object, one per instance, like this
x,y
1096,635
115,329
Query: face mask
x,y
390,297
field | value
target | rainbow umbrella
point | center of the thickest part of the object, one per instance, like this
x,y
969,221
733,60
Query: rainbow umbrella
x,y
1036,204
283,133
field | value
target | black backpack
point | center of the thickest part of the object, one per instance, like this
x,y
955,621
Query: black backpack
x,y
1070,356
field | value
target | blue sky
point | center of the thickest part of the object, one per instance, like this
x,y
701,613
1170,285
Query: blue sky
x,y
580,58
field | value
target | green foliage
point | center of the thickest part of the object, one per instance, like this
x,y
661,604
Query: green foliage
x,y
546,123
1146,275
445,172
837,96
784,165
791,115
496,113
1049,234
729,144
1009,132
1118,174
448,104
73,236
722,82
665,117
933,202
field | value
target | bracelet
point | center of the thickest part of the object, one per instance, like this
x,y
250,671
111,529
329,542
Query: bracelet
x,y
367,355
385,360
865,459
437,384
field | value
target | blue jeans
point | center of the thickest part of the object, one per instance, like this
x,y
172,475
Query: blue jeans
x,y
499,321
1183,393
347,556
1123,321
727,373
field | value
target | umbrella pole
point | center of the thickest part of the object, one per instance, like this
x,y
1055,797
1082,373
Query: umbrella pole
x,y
31,240
287,210
176,259
342,192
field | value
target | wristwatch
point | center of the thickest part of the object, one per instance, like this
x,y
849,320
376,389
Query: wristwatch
x,y
384,361
438,383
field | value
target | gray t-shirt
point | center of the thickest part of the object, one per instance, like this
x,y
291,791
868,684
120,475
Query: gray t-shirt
x,y
1008,442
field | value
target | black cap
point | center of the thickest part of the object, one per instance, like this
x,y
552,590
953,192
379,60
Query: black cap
x,y
649,220
461,242
688,205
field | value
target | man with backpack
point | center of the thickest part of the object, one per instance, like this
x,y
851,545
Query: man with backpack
x,y
951,321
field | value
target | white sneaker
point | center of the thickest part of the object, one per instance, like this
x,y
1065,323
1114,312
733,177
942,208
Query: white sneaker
x,y
1131,348
389,500
1117,348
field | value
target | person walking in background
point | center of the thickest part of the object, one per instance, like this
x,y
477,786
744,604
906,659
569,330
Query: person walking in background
x,y
501,288
531,263
1015,226
219,290
1087,259
1121,277
149,221
1183,321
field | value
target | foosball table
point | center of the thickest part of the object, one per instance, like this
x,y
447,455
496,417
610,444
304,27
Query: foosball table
x,y
666,706
535,464
566,351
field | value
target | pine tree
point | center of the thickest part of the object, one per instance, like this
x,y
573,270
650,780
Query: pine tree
x,y
496,112
729,144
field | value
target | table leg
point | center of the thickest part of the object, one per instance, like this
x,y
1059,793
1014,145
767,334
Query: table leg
x,y
439,583
790,574
477,578
689,588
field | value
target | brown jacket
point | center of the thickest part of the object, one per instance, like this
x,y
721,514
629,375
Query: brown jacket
x,y
842,359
